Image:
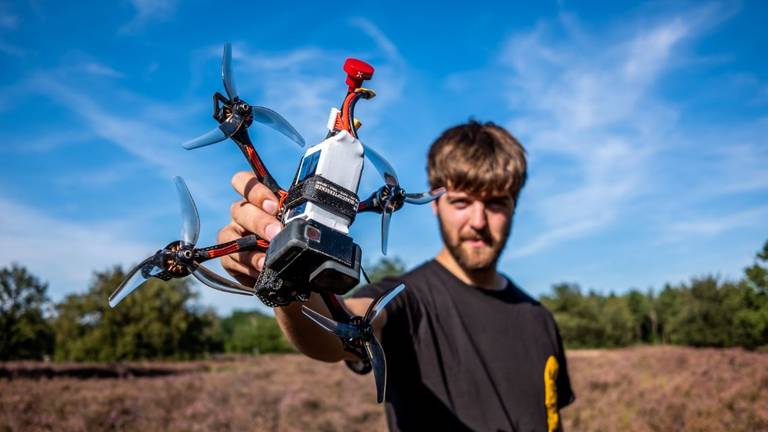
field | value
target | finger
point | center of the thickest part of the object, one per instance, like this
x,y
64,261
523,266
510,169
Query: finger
x,y
250,259
247,185
255,220
231,231
246,263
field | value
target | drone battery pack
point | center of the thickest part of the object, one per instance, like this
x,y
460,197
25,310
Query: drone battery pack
x,y
311,255
338,160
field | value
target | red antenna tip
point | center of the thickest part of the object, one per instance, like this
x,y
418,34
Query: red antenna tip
x,y
357,72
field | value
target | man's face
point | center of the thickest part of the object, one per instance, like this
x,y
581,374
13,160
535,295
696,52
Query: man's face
x,y
474,228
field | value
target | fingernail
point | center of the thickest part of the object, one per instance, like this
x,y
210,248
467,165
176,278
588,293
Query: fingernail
x,y
272,230
270,207
260,264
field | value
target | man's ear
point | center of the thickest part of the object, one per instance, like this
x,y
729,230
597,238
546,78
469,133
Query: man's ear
x,y
434,206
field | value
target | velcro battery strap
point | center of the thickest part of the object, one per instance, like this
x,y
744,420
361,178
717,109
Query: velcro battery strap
x,y
326,194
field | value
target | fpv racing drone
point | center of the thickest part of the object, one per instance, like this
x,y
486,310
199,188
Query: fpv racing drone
x,y
314,252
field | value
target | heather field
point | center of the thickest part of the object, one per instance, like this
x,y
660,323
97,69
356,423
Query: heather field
x,y
638,389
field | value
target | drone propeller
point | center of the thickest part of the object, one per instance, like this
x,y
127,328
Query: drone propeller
x,y
226,72
190,219
391,197
359,331
236,113
180,258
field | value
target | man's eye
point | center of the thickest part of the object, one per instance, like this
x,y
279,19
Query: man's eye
x,y
497,205
459,203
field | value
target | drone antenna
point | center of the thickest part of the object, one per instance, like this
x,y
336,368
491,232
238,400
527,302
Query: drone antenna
x,y
357,71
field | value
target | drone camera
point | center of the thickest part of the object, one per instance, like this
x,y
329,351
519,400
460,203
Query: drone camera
x,y
306,244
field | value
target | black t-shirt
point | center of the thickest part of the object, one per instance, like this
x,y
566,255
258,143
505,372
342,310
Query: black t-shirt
x,y
465,358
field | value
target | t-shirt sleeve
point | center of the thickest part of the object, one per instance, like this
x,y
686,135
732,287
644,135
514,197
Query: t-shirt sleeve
x,y
565,395
400,312
376,289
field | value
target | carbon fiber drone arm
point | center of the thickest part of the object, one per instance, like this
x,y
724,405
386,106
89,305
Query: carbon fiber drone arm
x,y
243,141
250,242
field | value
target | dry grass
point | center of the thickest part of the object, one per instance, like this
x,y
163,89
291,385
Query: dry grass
x,y
641,389
668,388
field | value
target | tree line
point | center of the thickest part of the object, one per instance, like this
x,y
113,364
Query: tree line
x,y
162,321
704,312
158,321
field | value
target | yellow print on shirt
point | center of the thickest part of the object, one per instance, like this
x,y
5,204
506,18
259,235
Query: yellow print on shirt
x,y
550,394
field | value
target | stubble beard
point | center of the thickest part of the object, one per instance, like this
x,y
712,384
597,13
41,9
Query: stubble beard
x,y
474,260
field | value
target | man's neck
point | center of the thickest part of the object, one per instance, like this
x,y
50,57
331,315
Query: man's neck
x,y
487,279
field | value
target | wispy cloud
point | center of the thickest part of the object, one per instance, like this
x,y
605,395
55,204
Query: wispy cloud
x,y
304,83
98,177
148,131
13,50
591,101
148,11
44,141
62,251
382,41
715,225
101,70
8,20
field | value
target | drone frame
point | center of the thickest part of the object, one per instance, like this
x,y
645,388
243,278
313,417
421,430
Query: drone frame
x,y
235,116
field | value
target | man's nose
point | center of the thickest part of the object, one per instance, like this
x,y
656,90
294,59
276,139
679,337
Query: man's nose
x,y
477,219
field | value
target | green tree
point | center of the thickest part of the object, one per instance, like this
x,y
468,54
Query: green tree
x,y
615,321
577,315
156,321
644,317
667,305
386,267
24,331
751,320
252,333
756,275
705,314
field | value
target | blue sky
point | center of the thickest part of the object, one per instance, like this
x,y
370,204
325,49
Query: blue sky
x,y
645,125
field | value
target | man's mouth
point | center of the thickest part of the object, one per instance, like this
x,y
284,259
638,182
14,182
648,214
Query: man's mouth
x,y
476,242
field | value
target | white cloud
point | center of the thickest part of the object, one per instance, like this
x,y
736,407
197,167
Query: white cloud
x,y
63,252
10,49
98,177
713,226
147,11
150,133
591,102
8,20
378,36
102,70
45,141
304,83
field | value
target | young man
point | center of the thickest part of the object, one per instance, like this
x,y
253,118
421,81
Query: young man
x,y
466,348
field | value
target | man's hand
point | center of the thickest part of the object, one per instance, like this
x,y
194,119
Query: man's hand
x,y
254,214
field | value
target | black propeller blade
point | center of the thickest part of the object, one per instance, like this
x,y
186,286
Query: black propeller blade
x,y
237,113
391,197
359,332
